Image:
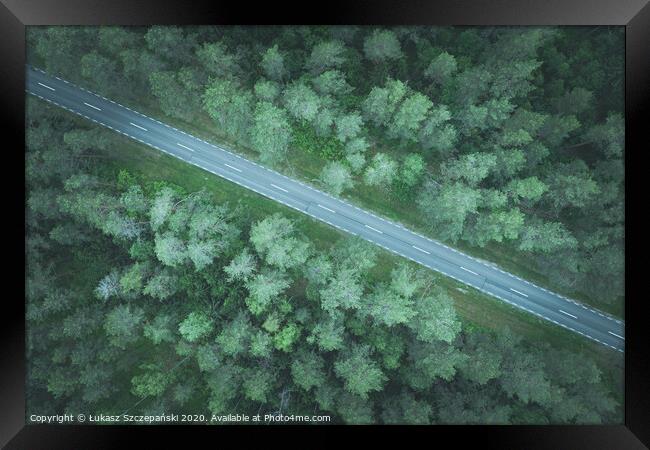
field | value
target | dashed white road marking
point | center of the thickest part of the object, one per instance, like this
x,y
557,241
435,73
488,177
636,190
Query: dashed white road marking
x,y
422,250
520,293
233,168
92,106
181,145
614,334
138,126
570,315
46,86
326,208
374,229
491,266
278,187
467,270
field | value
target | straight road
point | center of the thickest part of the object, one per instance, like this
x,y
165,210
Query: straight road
x,y
393,237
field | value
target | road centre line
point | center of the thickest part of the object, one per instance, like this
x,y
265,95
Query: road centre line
x,y
422,250
278,187
614,334
520,293
571,315
492,294
326,208
467,270
429,239
184,146
374,229
233,168
46,86
92,106
138,126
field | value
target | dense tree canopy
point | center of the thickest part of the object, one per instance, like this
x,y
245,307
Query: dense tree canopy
x,y
150,296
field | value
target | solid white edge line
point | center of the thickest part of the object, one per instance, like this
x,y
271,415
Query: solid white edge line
x,y
422,250
184,146
138,126
616,320
278,187
46,86
233,168
614,334
467,270
571,315
92,106
520,293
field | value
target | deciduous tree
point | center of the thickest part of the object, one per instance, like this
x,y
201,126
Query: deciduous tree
x,y
381,171
273,63
196,326
264,288
435,318
217,60
360,372
274,239
230,106
336,177
271,132
441,68
326,55
123,324
308,370
382,45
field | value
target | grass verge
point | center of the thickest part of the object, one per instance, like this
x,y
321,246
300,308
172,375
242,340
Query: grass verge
x,y
307,166
476,309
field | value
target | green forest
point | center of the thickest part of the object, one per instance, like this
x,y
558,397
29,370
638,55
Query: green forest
x,y
153,288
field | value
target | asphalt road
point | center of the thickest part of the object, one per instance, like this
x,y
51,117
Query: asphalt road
x,y
481,275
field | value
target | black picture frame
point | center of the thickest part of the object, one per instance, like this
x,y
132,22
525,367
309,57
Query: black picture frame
x,y
16,14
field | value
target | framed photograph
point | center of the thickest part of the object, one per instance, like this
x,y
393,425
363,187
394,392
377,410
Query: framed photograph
x,y
372,217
